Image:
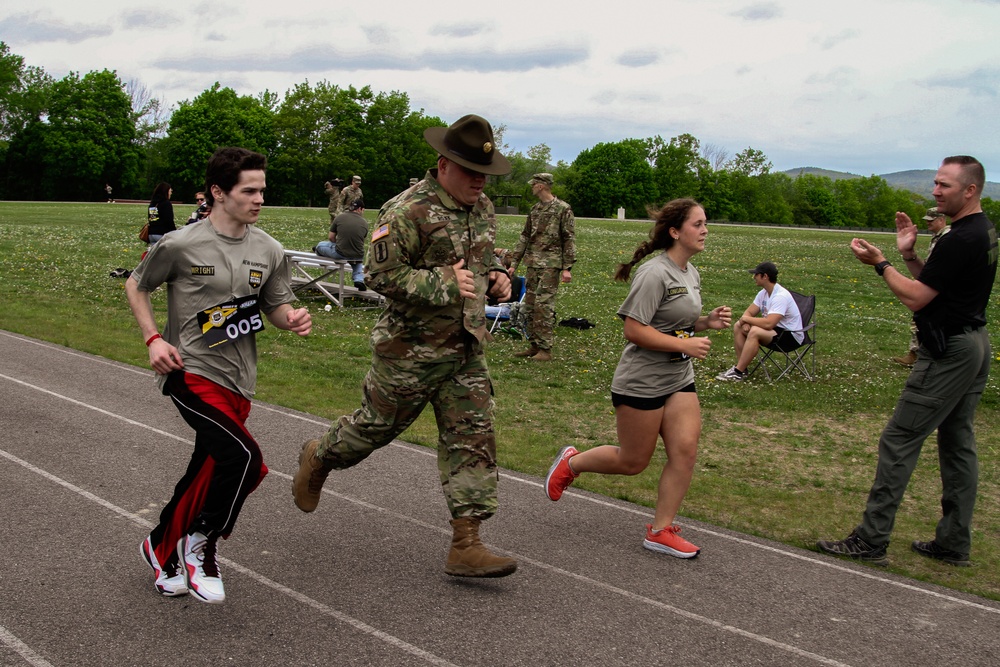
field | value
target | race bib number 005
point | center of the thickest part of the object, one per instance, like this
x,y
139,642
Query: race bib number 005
x,y
228,322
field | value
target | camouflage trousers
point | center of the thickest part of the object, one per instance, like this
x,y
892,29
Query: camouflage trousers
x,y
394,394
539,309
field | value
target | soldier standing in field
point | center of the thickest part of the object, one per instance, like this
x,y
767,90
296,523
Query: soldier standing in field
x,y
548,248
431,256
349,195
332,189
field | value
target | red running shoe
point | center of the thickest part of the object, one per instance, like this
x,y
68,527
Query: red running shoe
x,y
668,541
560,474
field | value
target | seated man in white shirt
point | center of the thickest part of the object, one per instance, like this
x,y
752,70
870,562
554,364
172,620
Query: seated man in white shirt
x,y
773,317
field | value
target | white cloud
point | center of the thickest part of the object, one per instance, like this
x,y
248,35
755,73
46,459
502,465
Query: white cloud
x,y
855,85
639,58
761,11
467,29
35,27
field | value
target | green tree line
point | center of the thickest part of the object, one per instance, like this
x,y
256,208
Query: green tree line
x,y
66,139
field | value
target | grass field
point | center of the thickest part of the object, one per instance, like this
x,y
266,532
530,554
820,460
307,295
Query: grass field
x,y
791,461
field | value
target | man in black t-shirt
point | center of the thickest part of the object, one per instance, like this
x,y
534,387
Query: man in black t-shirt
x,y
948,297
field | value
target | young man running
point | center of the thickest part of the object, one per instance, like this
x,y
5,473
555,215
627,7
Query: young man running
x,y
221,276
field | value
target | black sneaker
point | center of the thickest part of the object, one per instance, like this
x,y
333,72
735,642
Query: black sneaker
x,y
933,550
360,286
854,547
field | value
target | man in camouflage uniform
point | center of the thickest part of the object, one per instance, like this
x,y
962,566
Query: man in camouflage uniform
x,y
349,195
431,256
332,189
548,249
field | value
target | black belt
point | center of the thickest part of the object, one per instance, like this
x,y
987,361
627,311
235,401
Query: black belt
x,y
955,330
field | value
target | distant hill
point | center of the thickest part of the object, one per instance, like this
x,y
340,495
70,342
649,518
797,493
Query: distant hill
x,y
920,181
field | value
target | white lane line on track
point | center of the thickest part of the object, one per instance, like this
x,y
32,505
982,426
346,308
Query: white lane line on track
x,y
824,562
360,625
73,353
828,563
395,641
22,649
295,595
640,512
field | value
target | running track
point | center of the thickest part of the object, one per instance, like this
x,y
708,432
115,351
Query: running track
x,y
89,451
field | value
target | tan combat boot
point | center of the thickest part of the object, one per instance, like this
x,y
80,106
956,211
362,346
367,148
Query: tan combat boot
x,y
308,481
470,558
542,355
530,352
908,360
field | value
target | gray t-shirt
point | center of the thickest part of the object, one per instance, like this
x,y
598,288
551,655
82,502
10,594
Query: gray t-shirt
x,y
667,298
222,282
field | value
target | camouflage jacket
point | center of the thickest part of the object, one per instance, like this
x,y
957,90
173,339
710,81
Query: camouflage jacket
x,y
548,240
347,197
418,236
334,193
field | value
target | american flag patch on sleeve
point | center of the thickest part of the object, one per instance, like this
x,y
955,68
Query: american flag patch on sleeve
x,y
380,232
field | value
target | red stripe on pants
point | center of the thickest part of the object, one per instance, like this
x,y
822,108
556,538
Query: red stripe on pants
x,y
225,467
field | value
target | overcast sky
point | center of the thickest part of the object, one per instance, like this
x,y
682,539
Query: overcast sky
x,y
865,86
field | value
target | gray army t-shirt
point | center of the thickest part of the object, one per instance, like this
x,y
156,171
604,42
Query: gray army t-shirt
x,y
667,298
204,270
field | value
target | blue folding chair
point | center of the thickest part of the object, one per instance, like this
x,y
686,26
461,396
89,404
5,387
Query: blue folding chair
x,y
506,316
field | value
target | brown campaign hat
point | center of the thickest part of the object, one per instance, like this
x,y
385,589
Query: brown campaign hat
x,y
469,142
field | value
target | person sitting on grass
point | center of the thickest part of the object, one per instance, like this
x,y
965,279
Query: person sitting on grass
x,y
772,318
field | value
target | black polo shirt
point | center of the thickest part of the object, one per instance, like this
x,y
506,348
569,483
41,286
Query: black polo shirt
x,y
962,269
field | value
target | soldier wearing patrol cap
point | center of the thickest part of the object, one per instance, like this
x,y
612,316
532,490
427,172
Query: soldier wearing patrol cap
x,y
349,195
431,256
548,249
937,224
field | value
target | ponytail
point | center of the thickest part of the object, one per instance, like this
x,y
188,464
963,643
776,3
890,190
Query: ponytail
x,y
671,216
625,270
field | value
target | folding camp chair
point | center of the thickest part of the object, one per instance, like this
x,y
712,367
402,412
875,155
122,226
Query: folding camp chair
x,y
803,357
506,316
